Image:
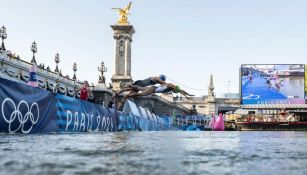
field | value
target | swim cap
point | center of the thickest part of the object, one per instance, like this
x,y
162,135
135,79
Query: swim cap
x,y
162,77
177,89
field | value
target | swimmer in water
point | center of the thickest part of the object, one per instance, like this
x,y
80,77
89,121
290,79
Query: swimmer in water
x,y
143,83
268,82
145,91
250,75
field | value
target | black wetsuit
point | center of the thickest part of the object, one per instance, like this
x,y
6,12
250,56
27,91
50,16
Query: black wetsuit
x,y
145,82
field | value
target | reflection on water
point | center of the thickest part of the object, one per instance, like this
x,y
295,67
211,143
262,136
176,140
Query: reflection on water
x,y
155,153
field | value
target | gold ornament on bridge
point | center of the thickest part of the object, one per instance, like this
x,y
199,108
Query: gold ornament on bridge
x,y
123,14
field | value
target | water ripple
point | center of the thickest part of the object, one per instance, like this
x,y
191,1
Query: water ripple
x,y
155,153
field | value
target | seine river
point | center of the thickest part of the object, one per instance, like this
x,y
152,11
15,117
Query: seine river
x,y
155,153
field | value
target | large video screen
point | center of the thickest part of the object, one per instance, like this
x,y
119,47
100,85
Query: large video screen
x,y
273,84
306,81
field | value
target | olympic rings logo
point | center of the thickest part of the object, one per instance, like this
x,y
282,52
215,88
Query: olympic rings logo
x,y
18,116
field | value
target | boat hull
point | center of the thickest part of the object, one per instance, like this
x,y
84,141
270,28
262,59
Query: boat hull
x,y
271,126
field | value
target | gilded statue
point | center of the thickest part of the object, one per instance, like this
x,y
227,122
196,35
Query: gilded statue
x,y
123,14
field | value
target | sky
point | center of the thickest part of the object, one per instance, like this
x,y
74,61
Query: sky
x,y
187,40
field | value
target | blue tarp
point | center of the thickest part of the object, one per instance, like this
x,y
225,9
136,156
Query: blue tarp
x,y
138,118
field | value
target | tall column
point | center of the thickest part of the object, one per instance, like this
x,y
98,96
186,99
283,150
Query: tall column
x,y
129,58
122,68
126,57
115,58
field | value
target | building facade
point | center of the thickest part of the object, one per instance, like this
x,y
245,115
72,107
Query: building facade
x,y
208,104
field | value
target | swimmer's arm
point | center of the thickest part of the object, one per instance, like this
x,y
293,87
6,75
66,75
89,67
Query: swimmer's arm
x,y
158,80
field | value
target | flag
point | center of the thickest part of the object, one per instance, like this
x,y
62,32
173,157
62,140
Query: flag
x,y
32,76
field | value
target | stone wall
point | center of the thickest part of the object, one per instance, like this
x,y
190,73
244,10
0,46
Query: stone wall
x,y
160,106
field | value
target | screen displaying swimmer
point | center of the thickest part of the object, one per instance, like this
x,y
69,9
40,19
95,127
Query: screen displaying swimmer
x,y
273,84
305,81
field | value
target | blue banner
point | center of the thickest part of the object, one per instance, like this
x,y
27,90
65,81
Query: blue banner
x,y
76,115
26,109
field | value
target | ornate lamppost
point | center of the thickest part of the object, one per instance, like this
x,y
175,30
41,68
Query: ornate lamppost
x,y
34,50
3,35
57,60
102,68
74,68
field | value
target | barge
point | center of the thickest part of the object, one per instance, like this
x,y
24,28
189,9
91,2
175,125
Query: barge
x,y
270,117
271,126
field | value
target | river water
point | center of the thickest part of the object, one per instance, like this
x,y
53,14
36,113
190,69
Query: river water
x,y
171,152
